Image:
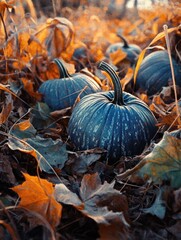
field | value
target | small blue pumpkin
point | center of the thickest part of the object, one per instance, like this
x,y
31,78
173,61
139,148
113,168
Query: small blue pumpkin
x,y
116,121
132,50
62,93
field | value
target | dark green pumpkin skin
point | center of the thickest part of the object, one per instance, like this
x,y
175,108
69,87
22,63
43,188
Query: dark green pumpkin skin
x,y
155,72
62,93
132,50
123,130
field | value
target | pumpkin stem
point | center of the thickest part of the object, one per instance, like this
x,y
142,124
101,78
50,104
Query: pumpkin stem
x,y
62,70
126,45
118,93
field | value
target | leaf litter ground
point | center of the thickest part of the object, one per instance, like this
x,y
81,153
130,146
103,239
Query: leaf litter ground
x,y
51,191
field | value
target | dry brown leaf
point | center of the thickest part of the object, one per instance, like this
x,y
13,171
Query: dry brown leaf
x,y
29,88
127,78
170,119
37,195
56,35
6,109
3,6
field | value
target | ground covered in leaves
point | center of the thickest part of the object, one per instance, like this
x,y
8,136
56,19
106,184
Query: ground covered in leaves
x,y
48,190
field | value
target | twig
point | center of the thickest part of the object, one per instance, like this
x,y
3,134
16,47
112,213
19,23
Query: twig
x,y
126,174
165,27
54,8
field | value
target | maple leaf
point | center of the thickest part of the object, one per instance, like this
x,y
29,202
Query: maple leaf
x,y
97,201
164,162
37,195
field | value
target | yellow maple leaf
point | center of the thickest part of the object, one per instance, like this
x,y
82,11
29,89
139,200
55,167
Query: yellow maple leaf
x,y
38,195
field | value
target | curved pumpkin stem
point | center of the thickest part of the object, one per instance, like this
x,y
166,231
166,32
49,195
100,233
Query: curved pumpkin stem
x,y
62,70
118,93
126,45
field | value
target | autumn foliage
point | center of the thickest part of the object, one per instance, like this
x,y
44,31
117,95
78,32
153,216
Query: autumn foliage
x,y
48,189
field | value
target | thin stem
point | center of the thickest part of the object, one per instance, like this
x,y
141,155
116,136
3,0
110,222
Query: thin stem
x,y
126,45
118,94
165,27
62,70
54,8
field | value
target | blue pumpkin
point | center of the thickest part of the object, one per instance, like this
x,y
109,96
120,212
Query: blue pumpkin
x,y
132,50
62,93
116,121
155,72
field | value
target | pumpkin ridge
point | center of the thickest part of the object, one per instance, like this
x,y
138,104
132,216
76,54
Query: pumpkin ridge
x,y
152,83
89,123
84,87
104,129
93,121
110,147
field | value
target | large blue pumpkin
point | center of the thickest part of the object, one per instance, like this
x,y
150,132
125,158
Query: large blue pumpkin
x,y
155,72
62,93
116,121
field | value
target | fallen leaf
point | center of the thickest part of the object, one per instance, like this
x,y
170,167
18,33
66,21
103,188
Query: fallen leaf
x,y
158,208
81,162
6,109
29,88
3,6
127,78
49,154
40,116
95,200
164,162
37,195
55,35
117,56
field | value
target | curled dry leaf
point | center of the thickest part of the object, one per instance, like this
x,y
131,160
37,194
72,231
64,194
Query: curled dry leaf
x,y
37,195
164,162
6,109
56,35
95,200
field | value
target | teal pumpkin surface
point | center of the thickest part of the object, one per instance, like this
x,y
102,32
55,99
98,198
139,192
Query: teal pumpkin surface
x,y
155,72
116,121
62,93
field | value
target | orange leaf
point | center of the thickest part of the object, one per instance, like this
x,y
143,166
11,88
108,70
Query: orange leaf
x,y
24,125
5,88
56,35
38,195
6,110
28,86
127,78
117,56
